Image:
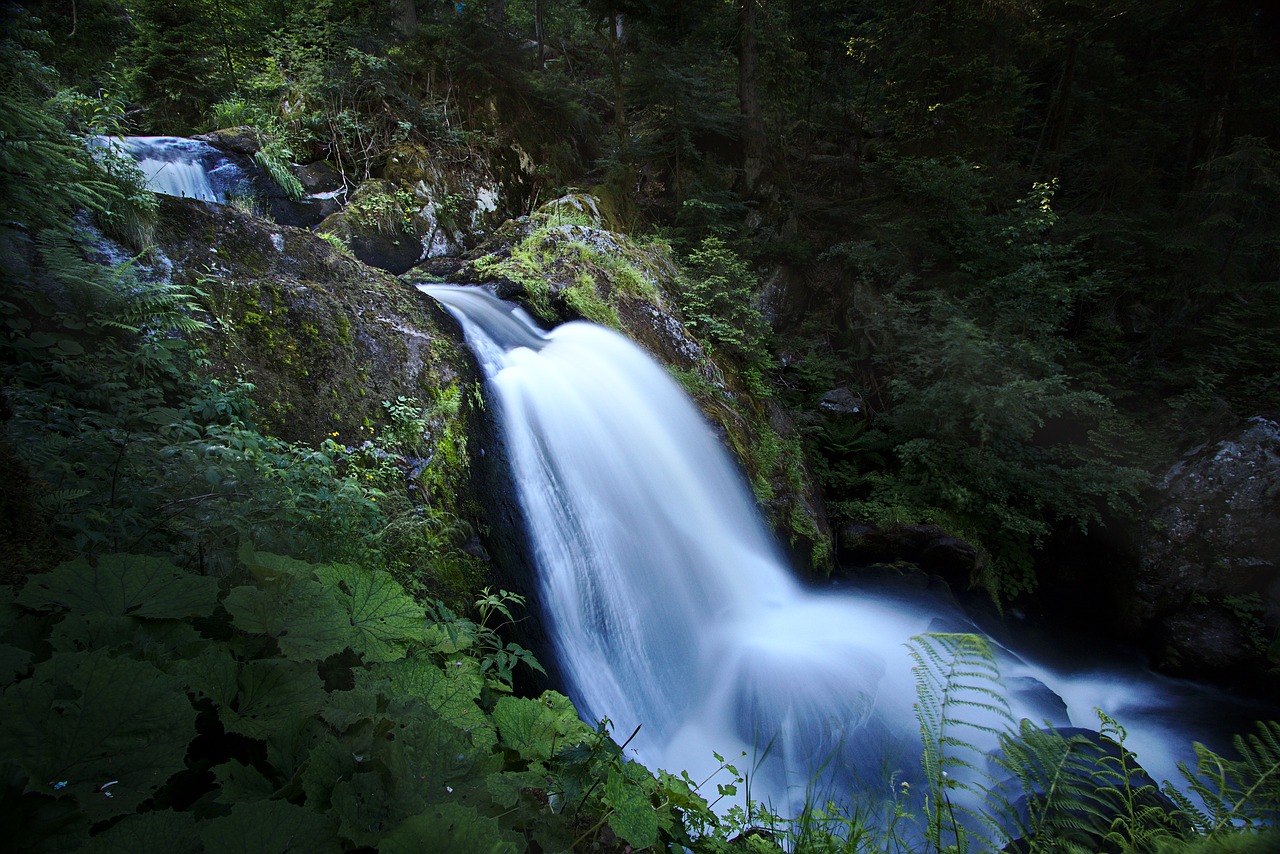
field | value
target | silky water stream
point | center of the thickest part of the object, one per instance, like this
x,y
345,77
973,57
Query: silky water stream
x,y
670,608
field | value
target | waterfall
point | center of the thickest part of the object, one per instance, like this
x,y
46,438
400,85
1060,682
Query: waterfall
x,y
183,167
670,608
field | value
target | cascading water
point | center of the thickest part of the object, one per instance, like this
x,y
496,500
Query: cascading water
x,y
183,167
668,604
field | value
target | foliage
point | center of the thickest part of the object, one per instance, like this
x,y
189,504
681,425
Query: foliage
x,y
389,210
48,172
274,159
1051,790
959,702
719,302
989,434
1244,792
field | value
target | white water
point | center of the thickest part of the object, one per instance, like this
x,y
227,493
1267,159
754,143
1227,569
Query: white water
x,y
182,167
671,609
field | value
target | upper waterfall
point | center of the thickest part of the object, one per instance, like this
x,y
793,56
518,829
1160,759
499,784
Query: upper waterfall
x,y
183,167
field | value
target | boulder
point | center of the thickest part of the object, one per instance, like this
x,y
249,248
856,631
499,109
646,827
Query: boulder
x,y
244,140
319,178
379,226
323,338
1207,592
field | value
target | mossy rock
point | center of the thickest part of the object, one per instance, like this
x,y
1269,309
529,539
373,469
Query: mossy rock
x,y
323,338
380,226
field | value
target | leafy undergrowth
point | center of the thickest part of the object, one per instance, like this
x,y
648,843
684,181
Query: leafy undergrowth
x,y
295,707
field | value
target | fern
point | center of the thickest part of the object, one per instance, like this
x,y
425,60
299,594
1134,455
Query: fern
x,y
1048,768
959,701
1244,792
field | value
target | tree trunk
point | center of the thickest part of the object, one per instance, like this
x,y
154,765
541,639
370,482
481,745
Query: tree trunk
x,y
619,91
539,35
406,17
753,136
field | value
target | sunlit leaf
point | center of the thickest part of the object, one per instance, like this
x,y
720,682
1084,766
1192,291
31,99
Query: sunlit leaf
x,y
633,817
535,728
386,619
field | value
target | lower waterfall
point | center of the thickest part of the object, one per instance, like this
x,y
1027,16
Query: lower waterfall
x,y
671,609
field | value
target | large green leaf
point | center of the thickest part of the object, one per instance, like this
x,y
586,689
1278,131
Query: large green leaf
x,y
212,674
344,708
269,827
273,696
13,661
239,783
156,640
633,817
534,728
328,762
305,619
386,619
450,827
159,832
450,692
134,585
104,729
270,568
364,808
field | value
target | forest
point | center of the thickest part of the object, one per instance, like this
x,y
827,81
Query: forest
x,y
975,274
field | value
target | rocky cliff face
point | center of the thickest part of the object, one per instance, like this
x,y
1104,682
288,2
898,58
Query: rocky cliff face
x,y
1207,593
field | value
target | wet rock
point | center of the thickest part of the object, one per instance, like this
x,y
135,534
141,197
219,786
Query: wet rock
x,y
1207,592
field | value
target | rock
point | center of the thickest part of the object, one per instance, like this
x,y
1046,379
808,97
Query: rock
x,y
319,177
927,546
243,140
323,338
378,226
1207,593
840,401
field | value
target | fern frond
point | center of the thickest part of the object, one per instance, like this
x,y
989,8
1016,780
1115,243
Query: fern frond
x,y
1241,792
959,699
58,499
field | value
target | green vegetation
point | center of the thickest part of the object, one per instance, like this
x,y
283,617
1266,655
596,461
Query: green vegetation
x,y
1038,241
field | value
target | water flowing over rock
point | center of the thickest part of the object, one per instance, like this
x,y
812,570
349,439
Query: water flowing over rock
x,y
1208,589
186,168
670,609
565,262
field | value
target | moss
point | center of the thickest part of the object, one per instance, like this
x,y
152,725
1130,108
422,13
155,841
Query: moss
x,y
583,298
